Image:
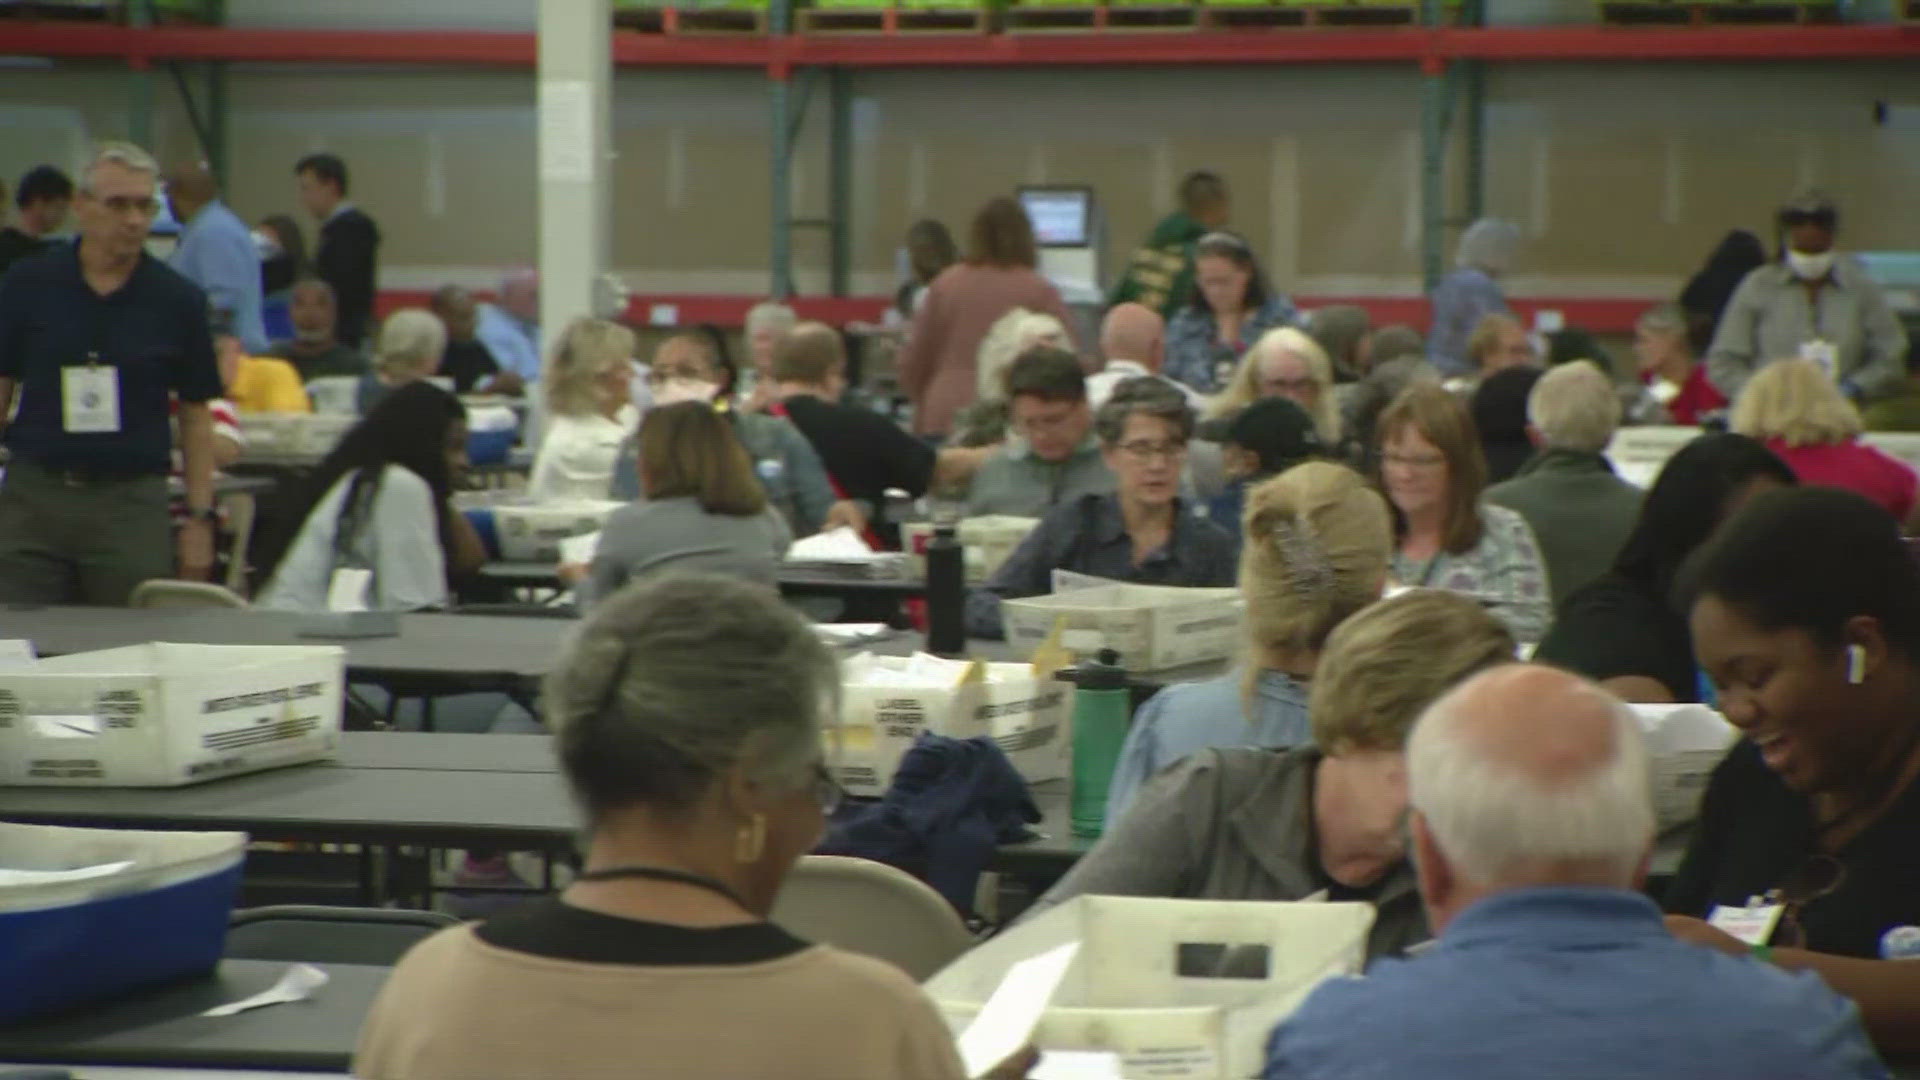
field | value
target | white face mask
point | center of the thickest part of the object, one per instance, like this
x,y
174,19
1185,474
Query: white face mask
x,y
1810,267
265,244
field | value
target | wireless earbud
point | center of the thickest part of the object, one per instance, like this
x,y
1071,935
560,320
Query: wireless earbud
x,y
1856,665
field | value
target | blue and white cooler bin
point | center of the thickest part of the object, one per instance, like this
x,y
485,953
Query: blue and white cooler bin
x,y
89,914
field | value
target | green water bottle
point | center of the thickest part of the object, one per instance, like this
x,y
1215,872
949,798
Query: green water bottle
x,y
1102,706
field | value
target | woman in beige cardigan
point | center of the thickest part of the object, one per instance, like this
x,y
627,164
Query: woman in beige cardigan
x,y
939,362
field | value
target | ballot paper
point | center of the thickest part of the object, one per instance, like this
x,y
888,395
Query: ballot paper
x,y
851,633
11,878
300,982
834,544
1077,1065
579,549
348,589
1006,1022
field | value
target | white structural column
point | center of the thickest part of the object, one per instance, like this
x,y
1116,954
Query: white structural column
x,y
574,102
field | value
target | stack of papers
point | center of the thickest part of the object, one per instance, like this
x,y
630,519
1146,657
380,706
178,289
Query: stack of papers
x,y
842,553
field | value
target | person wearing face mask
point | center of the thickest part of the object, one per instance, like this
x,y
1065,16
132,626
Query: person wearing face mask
x,y
1805,612
1813,304
1248,823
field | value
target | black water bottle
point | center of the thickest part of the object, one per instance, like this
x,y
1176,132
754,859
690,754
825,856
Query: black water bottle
x,y
946,589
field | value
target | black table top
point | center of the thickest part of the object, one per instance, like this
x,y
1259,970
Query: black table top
x,y
447,752
541,575
162,1026
327,802
479,652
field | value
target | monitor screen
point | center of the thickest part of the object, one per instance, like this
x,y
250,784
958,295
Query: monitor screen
x,y
1061,216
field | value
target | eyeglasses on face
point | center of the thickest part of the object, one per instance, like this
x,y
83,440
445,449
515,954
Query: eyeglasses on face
x,y
1146,451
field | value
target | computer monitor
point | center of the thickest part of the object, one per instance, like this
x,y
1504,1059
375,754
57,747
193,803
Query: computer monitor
x,y
1062,214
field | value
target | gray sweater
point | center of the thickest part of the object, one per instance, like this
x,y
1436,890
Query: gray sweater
x,y
644,538
1232,824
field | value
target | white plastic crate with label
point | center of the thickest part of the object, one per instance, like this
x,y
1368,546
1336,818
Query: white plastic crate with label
x,y
165,715
1179,989
886,702
1686,742
1152,627
533,532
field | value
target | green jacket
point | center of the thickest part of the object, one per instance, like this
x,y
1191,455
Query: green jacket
x,y
1579,510
1160,272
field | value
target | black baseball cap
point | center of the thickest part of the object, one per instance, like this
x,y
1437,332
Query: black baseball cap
x,y
1278,431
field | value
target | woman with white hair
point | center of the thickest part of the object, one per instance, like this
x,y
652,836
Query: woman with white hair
x,y
767,322
1677,388
588,386
408,349
1010,335
1329,816
1470,293
1795,408
1287,363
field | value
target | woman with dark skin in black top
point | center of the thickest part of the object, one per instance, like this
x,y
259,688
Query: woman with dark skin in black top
x,y
1806,616
1624,630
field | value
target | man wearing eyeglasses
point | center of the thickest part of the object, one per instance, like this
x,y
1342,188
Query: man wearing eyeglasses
x,y
97,337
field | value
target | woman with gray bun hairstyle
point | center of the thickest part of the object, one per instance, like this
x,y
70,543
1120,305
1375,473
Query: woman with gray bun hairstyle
x,y
687,714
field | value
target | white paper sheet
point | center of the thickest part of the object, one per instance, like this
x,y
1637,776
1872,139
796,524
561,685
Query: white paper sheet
x,y
835,544
348,589
1006,1021
10,878
579,549
1077,1065
300,982
850,633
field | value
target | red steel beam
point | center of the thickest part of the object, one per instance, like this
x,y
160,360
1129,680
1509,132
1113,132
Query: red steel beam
x,y
1849,42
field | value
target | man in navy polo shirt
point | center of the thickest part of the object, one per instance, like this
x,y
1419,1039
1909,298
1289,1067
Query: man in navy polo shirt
x,y
96,337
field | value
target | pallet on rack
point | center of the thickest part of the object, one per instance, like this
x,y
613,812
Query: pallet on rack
x,y
1696,13
693,22
54,11
1083,18
894,20
1263,16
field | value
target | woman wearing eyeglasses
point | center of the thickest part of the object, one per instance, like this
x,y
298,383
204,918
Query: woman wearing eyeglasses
x,y
1285,363
1433,472
1230,308
1143,531
1806,616
687,717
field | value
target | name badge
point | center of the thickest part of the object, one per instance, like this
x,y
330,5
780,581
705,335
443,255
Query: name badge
x,y
1824,354
1664,390
1752,925
90,399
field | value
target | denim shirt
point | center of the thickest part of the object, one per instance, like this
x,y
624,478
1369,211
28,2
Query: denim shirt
x,y
1460,301
1088,536
1195,355
1186,718
1574,984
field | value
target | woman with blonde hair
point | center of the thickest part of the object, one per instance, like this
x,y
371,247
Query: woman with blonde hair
x,y
1326,816
407,350
1286,363
1433,472
588,387
704,508
1794,408
1317,539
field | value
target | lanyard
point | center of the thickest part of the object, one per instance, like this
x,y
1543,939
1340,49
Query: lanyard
x,y
663,873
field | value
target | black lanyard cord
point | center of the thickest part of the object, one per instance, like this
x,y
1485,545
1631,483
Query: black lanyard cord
x,y
664,873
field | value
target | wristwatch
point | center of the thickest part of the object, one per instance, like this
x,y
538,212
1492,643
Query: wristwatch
x,y
206,513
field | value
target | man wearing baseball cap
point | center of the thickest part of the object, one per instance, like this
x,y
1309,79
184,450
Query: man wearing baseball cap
x,y
1265,439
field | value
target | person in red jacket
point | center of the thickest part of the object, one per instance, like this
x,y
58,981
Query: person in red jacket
x,y
1673,377
1799,412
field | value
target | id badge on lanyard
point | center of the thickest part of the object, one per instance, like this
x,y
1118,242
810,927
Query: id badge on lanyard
x,y
90,397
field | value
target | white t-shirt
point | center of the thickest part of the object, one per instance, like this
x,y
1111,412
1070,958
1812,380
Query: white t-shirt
x,y
577,456
399,541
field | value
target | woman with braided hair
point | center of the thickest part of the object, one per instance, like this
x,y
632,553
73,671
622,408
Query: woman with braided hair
x,y
1329,816
1315,549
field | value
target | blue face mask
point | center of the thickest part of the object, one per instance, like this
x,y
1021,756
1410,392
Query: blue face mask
x,y
1704,687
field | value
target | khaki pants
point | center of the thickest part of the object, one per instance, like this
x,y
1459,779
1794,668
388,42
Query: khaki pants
x,y
66,541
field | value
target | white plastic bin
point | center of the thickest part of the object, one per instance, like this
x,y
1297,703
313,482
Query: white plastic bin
x,y
988,539
1145,983
164,715
886,702
1686,743
1152,627
533,533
